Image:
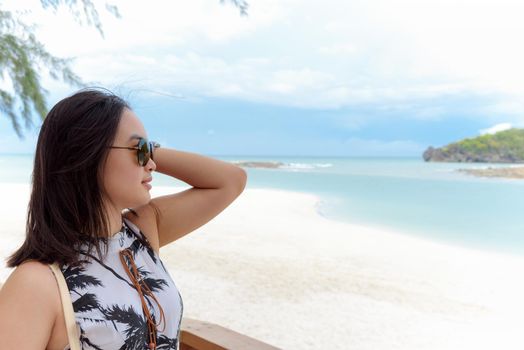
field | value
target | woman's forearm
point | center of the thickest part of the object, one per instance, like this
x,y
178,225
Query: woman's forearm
x,y
198,170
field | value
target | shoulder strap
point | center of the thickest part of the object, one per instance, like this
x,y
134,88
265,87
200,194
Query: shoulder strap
x,y
67,307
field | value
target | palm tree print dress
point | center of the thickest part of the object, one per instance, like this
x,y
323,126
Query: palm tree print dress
x,y
107,306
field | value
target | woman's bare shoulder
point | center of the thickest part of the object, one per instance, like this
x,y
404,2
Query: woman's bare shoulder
x,y
30,271
33,274
30,295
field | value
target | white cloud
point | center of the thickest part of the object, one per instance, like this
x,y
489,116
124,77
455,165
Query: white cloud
x,y
157,24
304,53
496,128
338,49
296,80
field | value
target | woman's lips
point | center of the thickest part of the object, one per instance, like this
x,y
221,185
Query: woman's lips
x,y
147,181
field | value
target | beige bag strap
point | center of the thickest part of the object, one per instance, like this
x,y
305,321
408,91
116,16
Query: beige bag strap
x,y
67,306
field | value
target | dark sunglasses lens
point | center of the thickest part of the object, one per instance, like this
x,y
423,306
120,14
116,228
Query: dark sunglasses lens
x,y
143,152
152,149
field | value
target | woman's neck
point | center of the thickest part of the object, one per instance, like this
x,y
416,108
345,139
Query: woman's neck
x,y
115,220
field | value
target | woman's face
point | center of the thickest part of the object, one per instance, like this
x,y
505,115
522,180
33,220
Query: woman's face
x,y
122,175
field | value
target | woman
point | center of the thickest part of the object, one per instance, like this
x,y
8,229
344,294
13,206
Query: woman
x,y
90,192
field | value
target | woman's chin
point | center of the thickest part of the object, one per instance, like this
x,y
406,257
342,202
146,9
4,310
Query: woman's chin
x,y
142,201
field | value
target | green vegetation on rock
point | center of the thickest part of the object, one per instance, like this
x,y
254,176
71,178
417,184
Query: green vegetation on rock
x,y
502,147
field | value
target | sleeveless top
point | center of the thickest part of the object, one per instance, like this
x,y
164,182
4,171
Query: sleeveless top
x,y
108,309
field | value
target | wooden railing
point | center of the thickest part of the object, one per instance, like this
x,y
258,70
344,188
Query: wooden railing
x,y
200,335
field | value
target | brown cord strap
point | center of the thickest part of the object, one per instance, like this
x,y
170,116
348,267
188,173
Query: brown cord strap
x,y
136,279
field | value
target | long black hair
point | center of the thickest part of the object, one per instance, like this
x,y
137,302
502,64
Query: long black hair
x,y
66,205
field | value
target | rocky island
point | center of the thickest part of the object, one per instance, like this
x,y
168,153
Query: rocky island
x,y
502,147
512,173
247,164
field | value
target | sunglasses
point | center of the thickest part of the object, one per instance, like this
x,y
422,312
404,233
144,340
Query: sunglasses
x,y
144,150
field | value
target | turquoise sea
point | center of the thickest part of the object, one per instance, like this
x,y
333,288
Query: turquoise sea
x,y
428,200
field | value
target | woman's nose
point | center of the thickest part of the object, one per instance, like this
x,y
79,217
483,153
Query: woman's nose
x,y
151,165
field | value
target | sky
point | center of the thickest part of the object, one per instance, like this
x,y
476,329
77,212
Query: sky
x,y
296,77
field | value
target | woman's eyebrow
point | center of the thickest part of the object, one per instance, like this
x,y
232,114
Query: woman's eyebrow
x,y
135,136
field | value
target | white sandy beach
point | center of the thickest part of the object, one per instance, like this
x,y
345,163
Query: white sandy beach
x,y
270,267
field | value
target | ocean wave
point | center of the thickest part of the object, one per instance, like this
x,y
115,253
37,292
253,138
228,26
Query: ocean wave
x,y
281,165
